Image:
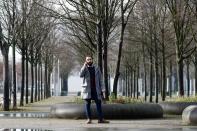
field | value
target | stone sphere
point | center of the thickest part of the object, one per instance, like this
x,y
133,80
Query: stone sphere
x,y
189,115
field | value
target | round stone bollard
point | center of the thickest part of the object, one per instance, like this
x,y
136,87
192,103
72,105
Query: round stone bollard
x,y
189,115
110,111
175,108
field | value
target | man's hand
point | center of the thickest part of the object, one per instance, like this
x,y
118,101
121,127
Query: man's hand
x,y
85,63
104,96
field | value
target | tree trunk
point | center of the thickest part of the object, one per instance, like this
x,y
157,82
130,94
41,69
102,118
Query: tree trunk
x,y
196,57
145,85
23,77
46,77
36,82
180,77
14,54
195,66
27,76
65,83
134,83
156,58
138,76
14,75
117,71
39,82
151,78
99,46
105,49
105,71
32,81
188,79
6,80
163,74
170,80
49,85
126,81
131,83
145,74
164,79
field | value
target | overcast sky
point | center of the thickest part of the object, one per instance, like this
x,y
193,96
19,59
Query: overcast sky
x,y
18,56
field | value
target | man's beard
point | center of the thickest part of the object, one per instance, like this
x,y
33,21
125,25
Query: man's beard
x,y
90,63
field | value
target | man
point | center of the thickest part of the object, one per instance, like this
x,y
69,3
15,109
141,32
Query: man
x,y
92,88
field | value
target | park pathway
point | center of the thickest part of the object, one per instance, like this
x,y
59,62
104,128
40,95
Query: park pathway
x,y
168,123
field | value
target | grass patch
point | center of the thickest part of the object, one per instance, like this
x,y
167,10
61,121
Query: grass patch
x,y
78,100
182,99
123,100
112,99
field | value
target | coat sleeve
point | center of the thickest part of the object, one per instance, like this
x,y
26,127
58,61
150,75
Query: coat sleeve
x,y
82,71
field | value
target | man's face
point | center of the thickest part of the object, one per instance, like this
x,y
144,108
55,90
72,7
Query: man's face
x,y
89,60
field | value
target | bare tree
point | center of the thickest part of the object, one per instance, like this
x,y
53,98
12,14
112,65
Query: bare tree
x,y
125,10
181,18
7,31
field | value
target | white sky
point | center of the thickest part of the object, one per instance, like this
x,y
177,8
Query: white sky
x,y
74,83
18,56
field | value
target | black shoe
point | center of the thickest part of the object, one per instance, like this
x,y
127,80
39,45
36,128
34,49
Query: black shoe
x,y
103,121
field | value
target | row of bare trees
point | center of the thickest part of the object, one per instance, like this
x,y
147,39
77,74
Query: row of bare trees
x,y
161,42
160,38
137,39
90,27
25,27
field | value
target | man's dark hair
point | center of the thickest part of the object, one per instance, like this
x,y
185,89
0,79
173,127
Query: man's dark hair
x,y
89,56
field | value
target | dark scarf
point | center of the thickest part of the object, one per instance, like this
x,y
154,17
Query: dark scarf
x,y
91,70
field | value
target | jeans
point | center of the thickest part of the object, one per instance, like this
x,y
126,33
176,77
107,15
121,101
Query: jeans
x,y
98,106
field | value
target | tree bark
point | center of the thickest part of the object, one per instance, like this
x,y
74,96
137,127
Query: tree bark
x,y
145,74
32,81
170,80
151,78
188,78
6,80
138,76
23,77
134,83
163,73
27,76
14,75
105,49
36,83
180,77
195,66
49,85
163,66
99,46
126,81
46,76
41,81
117,71
131,83
156,65
14,57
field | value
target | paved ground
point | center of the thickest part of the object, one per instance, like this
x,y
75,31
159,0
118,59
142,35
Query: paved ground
x,y
170,123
